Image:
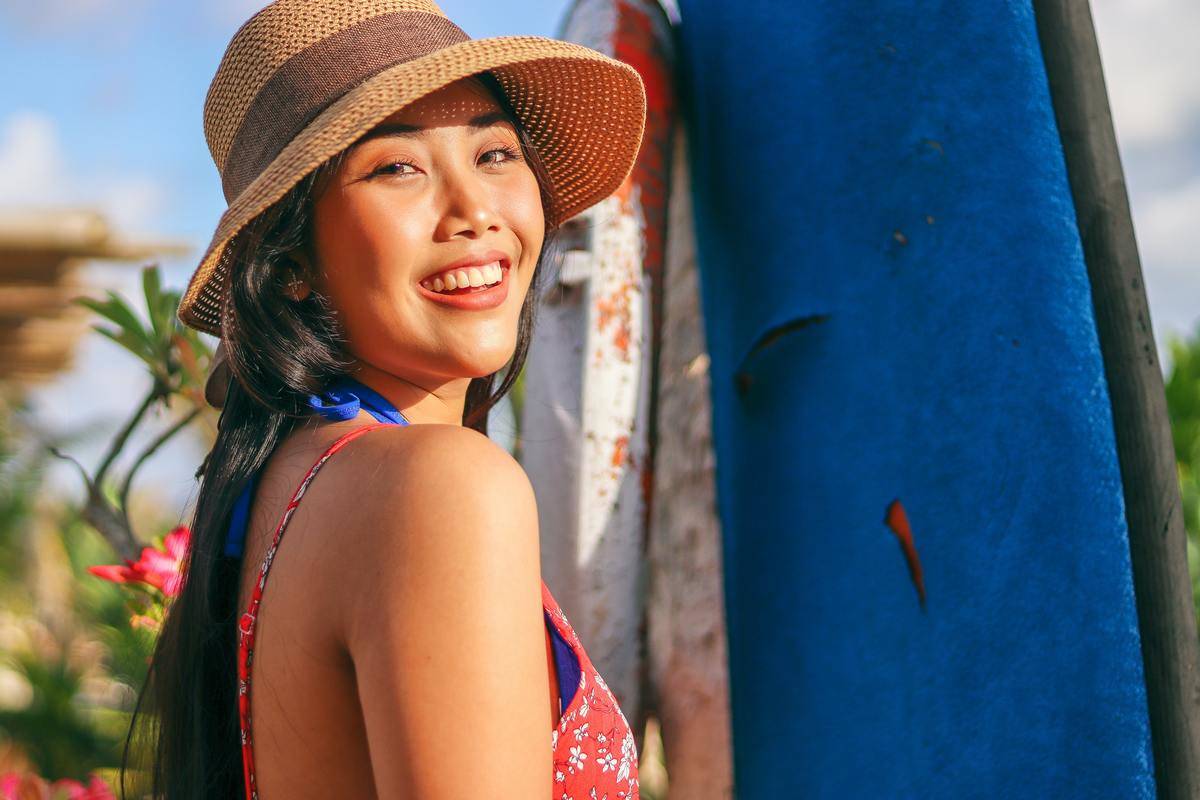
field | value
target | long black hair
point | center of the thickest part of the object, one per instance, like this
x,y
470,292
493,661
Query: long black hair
x,y
278,351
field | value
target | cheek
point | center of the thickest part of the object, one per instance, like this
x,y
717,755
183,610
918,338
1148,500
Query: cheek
x,y
361,244
527,205
525,214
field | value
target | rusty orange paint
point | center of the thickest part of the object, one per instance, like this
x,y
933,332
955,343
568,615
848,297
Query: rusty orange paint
x,y
620,449
897,520
613,311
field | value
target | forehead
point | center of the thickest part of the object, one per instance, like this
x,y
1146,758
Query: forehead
x,y
453,104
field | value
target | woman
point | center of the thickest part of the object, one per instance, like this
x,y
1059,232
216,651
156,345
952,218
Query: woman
x,y
376,159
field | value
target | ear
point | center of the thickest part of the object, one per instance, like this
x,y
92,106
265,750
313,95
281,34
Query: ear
x,y
298,289
296,284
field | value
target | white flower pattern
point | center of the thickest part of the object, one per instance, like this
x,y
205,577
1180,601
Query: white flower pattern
x,y
585,764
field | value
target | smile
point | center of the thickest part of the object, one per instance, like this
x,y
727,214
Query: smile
x,y
469,288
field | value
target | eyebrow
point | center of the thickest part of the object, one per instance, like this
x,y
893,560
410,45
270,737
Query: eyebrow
x,y
480,122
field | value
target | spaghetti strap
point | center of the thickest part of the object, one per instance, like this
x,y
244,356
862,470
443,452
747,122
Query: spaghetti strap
x,y
246,623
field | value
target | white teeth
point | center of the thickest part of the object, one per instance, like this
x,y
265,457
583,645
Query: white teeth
x,y
470,276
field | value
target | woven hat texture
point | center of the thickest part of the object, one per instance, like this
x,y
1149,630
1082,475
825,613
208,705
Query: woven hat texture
x,y
302,80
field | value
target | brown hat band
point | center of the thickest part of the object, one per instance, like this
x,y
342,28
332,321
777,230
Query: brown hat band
x,y
312,79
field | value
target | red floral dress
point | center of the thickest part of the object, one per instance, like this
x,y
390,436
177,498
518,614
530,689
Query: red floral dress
x,y
595,756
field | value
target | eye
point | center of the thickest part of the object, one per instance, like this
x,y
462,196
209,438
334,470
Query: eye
x,y
387,169
510,153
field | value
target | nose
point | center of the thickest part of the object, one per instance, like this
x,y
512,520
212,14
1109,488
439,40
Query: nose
x,y
469,205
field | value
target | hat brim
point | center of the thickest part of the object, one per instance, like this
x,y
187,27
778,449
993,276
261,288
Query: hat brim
x,y
585,113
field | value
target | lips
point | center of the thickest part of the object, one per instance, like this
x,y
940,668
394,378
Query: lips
x,y
480,298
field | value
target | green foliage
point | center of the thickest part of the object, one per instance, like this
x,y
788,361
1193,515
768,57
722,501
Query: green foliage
x,y
103,609
174,355
63,732
21,472
82,673
1183,407
177,361
54,729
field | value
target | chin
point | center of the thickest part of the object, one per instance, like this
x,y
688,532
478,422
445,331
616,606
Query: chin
x,y
484,364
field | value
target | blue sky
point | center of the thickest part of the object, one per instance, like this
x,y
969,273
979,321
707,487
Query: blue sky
x,y
101,104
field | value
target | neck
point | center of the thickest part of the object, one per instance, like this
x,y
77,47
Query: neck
x,y
437,403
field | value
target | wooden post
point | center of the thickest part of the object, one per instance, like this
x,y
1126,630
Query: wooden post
x,y
1153,510
687,653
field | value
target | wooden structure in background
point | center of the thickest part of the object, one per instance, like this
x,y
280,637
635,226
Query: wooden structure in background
x,y
41,252
687,649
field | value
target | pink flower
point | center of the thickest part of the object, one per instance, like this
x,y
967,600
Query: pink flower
x,y
157,568
15,786
68,789
27,786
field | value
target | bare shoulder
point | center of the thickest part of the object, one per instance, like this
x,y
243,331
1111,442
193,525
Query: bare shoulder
x,y
440,497
443,617
434,445
441,470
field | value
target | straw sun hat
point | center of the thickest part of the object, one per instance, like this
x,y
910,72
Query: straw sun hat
x,y
302,80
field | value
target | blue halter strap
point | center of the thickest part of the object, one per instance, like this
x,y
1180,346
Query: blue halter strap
x,y
340,401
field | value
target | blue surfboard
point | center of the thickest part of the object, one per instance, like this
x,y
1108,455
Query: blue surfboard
x,y
927,563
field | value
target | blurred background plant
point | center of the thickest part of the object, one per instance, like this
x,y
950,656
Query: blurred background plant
x,y
1183,405
76,631
177,360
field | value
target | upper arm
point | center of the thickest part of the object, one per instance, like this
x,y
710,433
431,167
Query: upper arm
x,y
444,619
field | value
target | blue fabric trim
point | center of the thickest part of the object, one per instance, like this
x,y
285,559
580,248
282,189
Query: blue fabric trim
x,y
335,405
235,540
566,665
340,401
375,404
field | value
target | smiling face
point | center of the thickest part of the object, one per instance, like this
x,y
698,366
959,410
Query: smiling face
x,y
439,181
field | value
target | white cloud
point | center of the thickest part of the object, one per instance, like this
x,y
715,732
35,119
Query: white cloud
x,y
29,148
1151,62
60,16
1168,237
35,170
1168,227
1152,72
